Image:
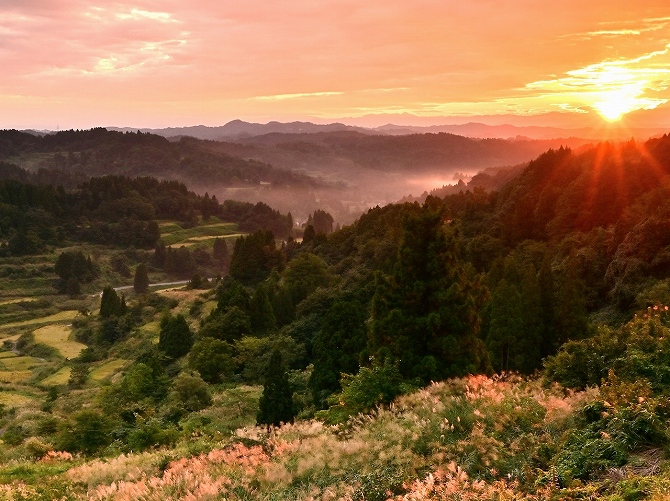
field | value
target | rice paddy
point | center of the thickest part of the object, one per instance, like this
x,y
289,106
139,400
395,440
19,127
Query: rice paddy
x,y
58,337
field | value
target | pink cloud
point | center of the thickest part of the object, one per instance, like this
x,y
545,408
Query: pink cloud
x,y
213,59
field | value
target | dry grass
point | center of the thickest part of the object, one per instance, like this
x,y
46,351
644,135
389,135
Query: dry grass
x,y
20,363
14,399
58,337
18,300
15,376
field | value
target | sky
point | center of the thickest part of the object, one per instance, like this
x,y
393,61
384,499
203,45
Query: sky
x,y
150,63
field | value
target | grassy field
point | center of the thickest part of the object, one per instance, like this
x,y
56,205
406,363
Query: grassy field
x,y
59,378
173,234
58,337
13,399
108,369
63,317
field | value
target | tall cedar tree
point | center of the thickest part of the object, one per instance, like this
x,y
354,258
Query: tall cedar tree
x,y
176,338
141,282
221,254
254,256
426,314
111,304
276,403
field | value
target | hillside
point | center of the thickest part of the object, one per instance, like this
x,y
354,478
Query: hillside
x,y
298,170
558,283
98,152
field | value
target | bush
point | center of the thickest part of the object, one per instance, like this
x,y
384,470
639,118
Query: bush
x,y
190,392
372,386
36,448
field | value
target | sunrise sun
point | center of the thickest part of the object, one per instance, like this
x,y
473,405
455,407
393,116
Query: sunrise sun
x,y
614,104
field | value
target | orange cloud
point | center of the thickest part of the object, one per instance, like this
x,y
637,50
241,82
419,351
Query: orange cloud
x,y
152,63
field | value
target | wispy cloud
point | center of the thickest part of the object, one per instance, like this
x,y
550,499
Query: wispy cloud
x,y
623,85
297,95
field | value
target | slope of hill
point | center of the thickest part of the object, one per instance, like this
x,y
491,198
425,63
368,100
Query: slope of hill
x,y
563,271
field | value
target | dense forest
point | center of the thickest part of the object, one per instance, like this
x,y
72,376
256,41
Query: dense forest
x,y
97,152
114,210
562,275
341,172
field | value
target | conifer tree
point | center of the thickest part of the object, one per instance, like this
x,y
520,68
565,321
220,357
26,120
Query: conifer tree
x,y
175,339
506,326
426,314
141,282
262,316
221,254
276,403
110,303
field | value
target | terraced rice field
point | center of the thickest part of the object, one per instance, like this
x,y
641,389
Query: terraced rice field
x,y
108,369
63,317
14,399
59,378
58,337
173,234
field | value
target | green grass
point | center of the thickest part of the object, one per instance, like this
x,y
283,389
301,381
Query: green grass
x,y
59,378
108,369
20,363
58,337
63,317
172,234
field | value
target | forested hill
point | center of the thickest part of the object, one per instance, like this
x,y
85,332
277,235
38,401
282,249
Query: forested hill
x,y
113,210
98,152
403,154
576,237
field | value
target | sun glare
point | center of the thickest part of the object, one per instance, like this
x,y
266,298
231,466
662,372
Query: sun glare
x,y
612,105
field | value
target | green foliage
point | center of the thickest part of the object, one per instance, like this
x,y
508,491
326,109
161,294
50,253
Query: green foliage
x,y
639,350
321,222
111,304
262,315
276,403
304,274
221,254
86,431
212,359
254,257
141,280
426,314
371,387
228,326
336,348
78,376
627,417
253,355
176,338
190,392
73,268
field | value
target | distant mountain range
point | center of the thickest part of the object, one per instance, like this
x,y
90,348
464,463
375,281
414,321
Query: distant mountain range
x,y
238,129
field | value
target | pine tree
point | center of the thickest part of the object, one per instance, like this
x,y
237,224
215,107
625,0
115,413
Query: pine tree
x,y
506,326
262,316
221,254
110,303
175,339
276,403
426,314
141,282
